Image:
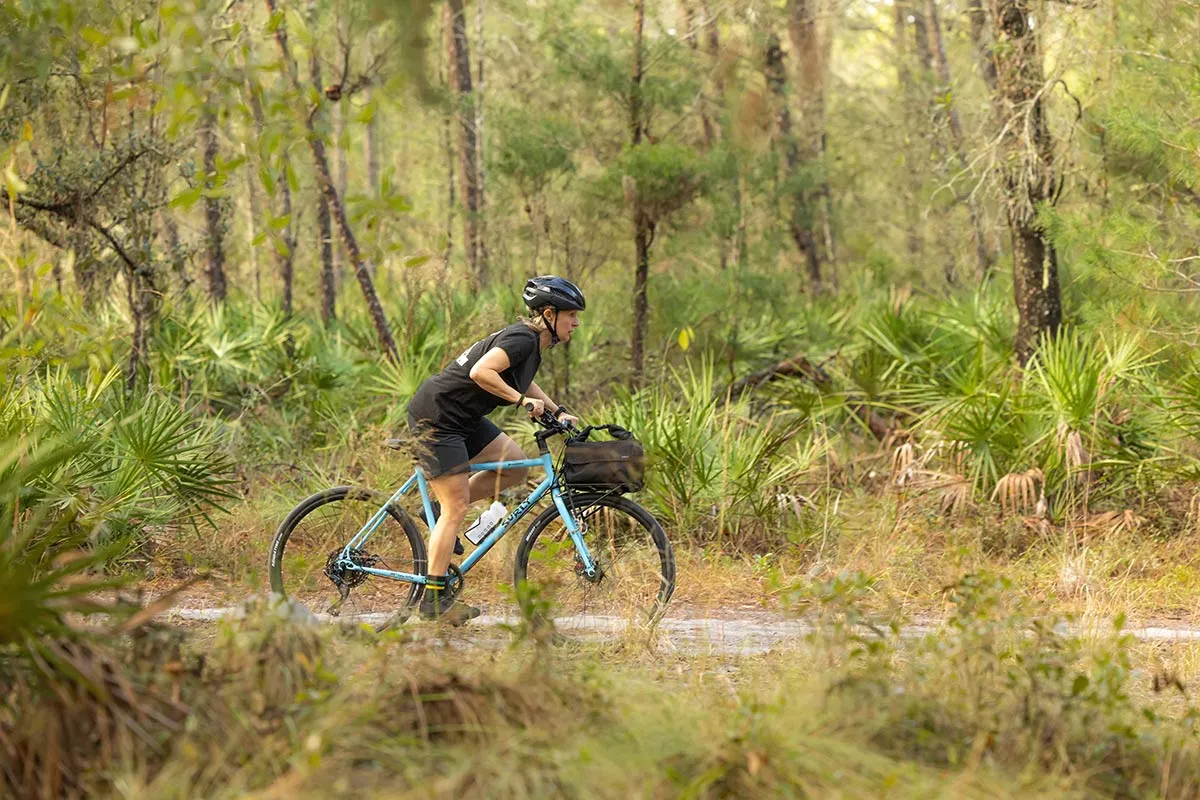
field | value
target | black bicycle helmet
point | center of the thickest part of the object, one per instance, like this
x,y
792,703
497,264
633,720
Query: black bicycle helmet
x,y
551,290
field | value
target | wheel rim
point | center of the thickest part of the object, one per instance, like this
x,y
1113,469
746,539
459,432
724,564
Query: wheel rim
x,y
633,586
326,529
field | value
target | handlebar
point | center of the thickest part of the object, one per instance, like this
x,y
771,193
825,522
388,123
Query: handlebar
x,y
550,427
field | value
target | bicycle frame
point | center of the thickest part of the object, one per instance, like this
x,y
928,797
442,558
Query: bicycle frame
x,y
548,484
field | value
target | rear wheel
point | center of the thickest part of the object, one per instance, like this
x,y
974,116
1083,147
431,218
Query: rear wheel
x,y
308,544
636,566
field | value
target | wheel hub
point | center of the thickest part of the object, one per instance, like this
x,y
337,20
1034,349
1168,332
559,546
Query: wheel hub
x,y
344,569
581,570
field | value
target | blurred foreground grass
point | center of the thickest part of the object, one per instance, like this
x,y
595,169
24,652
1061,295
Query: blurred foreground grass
x,y
998,704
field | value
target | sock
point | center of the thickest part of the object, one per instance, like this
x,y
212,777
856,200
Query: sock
x,y
435,582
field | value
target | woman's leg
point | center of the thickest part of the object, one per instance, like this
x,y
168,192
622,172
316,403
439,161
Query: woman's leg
x,y
453,493
488,484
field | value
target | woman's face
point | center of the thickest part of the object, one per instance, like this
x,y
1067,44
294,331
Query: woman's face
x,y
564,323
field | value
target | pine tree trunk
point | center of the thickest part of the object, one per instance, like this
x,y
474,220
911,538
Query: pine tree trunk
x,y
479,139
643,229
324,229
283,260
1028,174
252,211
287,260
325,248
343,172
980,35
321,163
448,139
983,260
807,140
800,214
214,221
692,36
460,80
908,95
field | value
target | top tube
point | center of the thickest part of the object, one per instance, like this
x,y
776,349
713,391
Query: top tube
x,y
521,462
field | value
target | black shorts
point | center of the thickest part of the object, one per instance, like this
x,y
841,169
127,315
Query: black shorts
x,y
447,452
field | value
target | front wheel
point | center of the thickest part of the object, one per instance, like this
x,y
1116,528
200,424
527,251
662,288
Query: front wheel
x,y
636,566
304,556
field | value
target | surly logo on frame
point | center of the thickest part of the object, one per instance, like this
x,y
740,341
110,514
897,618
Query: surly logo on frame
x,y
518,511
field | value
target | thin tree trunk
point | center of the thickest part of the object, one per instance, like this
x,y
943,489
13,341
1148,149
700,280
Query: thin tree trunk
x,y
800,212
827,219
807,140
921,39
214,221
569,268
325,248
479,142
977,15
372,148
643,228
342,145
321,163
372,133
983,260
1028,173
907,97
460,80
692,36
343,172
735,243
448,138
252,211
284,260
287,260
324,229
175,254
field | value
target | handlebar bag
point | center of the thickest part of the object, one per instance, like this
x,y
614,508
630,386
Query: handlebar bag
x,y
618,465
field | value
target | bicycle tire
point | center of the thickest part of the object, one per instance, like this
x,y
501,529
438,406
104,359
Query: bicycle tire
x,y
374,595
645,595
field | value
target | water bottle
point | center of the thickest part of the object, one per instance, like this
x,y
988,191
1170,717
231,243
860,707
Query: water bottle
x,y
487,520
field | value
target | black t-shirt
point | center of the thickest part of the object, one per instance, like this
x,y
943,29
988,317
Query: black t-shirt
x,y
450,400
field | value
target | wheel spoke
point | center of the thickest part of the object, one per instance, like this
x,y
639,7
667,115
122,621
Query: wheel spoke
x,y
635,570
307,570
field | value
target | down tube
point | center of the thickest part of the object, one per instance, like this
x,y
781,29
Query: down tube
x,y
498,532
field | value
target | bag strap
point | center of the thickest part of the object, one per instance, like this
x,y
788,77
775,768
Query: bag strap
x,y
615,431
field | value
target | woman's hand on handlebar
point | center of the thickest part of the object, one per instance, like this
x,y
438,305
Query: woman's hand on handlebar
x,y
535,407
570,420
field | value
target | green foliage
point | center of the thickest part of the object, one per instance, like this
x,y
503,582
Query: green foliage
x,y
717,471
533,149
48,556
137,463
662,178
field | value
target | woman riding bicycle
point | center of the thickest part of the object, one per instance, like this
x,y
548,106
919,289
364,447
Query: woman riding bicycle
x,y
449,416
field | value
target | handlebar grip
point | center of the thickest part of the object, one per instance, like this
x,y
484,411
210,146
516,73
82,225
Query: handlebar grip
x,y
529,407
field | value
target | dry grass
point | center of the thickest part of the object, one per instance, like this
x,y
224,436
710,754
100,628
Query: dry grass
x,y
348,714
912,541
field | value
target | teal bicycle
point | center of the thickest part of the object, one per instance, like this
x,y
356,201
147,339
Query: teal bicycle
x,y
353,552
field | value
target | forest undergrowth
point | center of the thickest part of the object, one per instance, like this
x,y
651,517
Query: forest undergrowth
x,y
884,434
861,465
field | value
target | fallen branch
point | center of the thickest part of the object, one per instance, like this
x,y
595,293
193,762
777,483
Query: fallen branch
x,y
795,367
799,366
